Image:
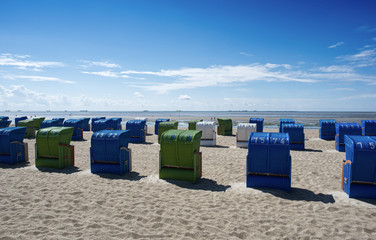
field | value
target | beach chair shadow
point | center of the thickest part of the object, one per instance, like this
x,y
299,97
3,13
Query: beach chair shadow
x,y
130,176
15,166
308,150
215,146
67,170
366,200
299,194
142,143
201,184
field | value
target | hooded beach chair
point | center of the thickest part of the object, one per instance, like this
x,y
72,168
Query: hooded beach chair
x,y
146,123
243,132
31,126
343,129
165,126
4,118
53,149
369,127
109,152
60,121
269,161
50,123
17,119
106,124
285,121
137,131
192,124
5,122
85,124
359,168
157,122
78,133
296,135
224,127
328,129
12,148
179,156
208,136
259,123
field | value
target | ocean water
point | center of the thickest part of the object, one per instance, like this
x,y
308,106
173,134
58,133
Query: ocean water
x,y
271,118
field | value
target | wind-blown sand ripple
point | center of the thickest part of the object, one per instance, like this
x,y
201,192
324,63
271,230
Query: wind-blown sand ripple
x,y
75,204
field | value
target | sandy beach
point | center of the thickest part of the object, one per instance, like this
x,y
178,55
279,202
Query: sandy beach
x,y
75,204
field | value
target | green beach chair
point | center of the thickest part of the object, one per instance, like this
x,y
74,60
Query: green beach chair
x,y
224,127
192,124
165,126
37,122
52,147
179,156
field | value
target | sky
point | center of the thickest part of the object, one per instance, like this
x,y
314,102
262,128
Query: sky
x,y
189,55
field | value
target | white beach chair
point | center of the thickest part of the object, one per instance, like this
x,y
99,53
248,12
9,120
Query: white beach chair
x,y
243,132
208,133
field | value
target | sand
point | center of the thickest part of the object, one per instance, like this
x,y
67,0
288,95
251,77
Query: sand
x,y
75,204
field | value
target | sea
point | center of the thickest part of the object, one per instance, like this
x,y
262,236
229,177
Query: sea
x,y
310,119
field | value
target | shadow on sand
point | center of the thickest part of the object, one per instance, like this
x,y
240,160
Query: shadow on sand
x,y
299,194
15,166
201,184
130,176
68,170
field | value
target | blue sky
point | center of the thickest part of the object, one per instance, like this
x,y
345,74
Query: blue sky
x,y
188,55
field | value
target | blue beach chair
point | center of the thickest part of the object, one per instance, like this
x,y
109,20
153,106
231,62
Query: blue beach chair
x,y
12,148
285,121
296,135
157,122
259,123
343,129
138,130
328,129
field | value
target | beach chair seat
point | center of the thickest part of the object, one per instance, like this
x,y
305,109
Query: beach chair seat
x,y
157,122
269,161
259,123
369,127
224,127
109,152
243,132
85,124
17,119
296,135
12,148
76,124
137,131
49,123
285,121
192,124
359,167
328,129
53,149
343,129
60,121
165,126
179,156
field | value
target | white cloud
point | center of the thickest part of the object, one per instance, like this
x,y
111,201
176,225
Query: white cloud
x,y
184,97
336,45
221,76
344,89
362,96
336,68
246,54
38,78
137,94
19,61
364,58
104,74
106,64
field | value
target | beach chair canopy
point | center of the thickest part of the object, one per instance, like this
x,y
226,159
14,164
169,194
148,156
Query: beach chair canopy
x,y
165,126
259,123
137,130
207,128
49,123
77,125
85,124
283,121
224,126
96,119
60,121
343,129
4,118
17,119
369,127
157,121
296,135
327,129
192,124
5,123
244,130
